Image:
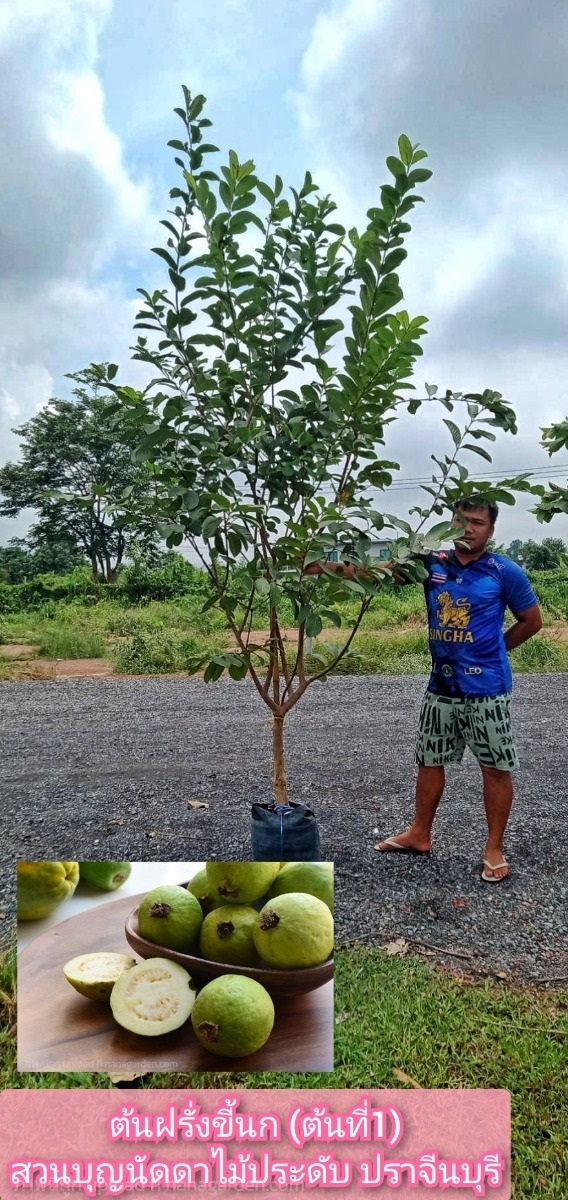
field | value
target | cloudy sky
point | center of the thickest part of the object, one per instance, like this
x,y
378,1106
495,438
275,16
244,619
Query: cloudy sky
x,y
87,89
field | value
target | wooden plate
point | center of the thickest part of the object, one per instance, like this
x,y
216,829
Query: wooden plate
x,y
59,1030
278,983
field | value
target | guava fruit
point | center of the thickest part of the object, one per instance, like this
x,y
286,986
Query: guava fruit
x,y
315,878
294,930
233,1016
43,886
94,975
108,876
241,882
202,889
170,916
226,935
152,998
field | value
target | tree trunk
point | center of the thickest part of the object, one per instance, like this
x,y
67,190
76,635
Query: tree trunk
x,y
94,566
280,788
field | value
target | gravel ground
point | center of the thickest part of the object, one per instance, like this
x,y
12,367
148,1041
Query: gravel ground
x,y
91,768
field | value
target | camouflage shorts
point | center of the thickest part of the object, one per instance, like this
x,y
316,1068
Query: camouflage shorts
x,y
447,725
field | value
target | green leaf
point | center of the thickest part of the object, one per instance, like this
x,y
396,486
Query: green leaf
x,y
179,281
395,166
314,625
405,149
393,260
419,176
332,616
479,450
456,435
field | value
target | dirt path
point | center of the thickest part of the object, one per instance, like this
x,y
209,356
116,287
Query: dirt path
x,y
24,663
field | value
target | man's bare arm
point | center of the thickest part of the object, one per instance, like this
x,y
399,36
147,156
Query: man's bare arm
x,y
350,571
527,623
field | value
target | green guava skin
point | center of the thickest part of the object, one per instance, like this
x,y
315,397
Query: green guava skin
x,y
108,876
170,916
233,1016
294,930
201,888
241,882
153,998
315,878
227,935
94,975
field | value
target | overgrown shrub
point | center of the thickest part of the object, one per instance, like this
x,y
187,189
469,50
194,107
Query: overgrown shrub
x,y
77,585
176,577
151,652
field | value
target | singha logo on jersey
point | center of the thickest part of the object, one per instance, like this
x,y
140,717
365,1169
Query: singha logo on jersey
x,y
454,617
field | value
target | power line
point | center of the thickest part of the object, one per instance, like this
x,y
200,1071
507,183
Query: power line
x,y
413,483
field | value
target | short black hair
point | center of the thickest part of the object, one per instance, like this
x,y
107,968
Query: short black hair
x,y
470,502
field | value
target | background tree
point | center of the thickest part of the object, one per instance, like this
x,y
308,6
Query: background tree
x,y
543,556
73,453
263,452
515,550
18,561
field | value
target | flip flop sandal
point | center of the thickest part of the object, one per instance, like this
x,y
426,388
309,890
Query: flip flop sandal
x,y
494,867
394,845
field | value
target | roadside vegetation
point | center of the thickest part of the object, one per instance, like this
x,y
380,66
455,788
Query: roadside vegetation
x,y
151,622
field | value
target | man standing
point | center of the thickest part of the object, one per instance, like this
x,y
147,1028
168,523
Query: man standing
x,y
467,701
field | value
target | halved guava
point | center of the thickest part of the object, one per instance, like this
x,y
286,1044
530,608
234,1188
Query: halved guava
x,y
153,998
94,975
241,882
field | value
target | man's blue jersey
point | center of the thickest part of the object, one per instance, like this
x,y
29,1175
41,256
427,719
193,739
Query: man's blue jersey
x,y
466,608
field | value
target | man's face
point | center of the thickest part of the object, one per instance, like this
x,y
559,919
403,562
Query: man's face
x,y
478,529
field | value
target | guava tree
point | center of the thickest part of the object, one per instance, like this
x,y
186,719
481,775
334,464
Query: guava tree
x,y
264,439
553,498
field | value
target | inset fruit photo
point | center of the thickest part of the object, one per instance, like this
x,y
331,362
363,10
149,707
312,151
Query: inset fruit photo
x,y
175,967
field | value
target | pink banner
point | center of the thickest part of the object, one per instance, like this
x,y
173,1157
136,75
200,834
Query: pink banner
x,y
343,1143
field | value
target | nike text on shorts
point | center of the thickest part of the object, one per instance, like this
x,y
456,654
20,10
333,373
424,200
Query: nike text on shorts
x,y
448,724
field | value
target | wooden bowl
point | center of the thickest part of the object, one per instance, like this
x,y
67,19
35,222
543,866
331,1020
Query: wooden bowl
x,y
277,982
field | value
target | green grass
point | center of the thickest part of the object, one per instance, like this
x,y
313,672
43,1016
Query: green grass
x,y
160,636
397,1014
58,641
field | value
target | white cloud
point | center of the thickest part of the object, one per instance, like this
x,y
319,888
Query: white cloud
x,y
69,206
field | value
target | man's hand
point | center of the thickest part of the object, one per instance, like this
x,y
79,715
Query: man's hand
x,y
527,623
